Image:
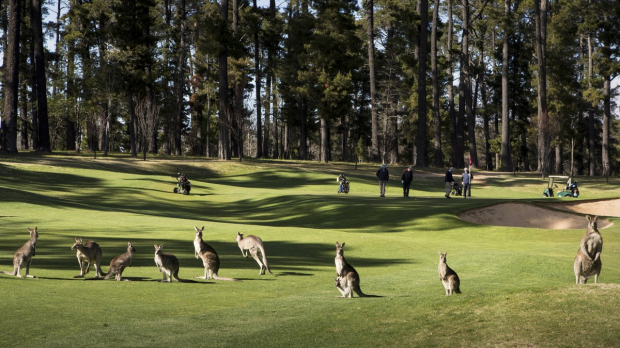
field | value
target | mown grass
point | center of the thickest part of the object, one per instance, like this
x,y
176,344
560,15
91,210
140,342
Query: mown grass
x,y
518,285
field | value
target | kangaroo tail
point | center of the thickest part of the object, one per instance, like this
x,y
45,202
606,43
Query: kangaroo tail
x,y
262,251
457,290
361,294
217,277
11,273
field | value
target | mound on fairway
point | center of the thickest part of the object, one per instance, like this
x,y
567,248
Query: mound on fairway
x,y
528,215
608,207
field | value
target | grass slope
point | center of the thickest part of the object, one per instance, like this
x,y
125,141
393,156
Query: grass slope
x,y
518,284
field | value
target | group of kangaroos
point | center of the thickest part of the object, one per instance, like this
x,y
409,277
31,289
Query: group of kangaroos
x,y
587,262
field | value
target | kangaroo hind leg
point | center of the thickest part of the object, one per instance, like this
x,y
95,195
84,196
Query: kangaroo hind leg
x,y
254,252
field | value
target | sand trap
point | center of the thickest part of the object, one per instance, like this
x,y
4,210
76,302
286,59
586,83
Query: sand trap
x,y
608,207
529,215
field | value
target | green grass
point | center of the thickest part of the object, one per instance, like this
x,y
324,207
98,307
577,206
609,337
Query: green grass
x,y
517,283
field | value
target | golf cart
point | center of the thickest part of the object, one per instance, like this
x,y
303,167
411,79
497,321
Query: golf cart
x,y
570,190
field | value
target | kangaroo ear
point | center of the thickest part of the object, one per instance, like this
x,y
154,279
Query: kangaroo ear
x,y
337,245
342,246
128,243
588,217
155,245
439,252
595,218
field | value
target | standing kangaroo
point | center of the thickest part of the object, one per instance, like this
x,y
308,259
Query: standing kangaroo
x,y
119,263
448,277
23,256
167,264
209,257
588,260
253,244
348,280
88,253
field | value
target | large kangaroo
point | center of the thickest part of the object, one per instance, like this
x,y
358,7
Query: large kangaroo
x,y
588,260
209,257
23,256
88,253
253,244
348,280
119,263
448,277
167,264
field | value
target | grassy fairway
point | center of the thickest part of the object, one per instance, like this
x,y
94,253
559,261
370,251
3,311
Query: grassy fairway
x,y
517,283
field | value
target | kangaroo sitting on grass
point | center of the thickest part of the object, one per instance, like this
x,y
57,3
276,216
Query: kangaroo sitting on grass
x,y
253,244
88,253
167,264
23,256
348,280
209,257
588,260
119,263
448,277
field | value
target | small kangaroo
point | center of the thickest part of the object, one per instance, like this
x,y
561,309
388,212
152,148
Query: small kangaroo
x,y
119,263
448,277
349,284
588,260
88,253
23,256
209,258
167,264
253,244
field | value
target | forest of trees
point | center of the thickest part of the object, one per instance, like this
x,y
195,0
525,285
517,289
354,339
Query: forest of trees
x,y
509,85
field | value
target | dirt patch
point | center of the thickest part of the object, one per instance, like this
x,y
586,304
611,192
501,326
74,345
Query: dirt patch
x,y
529,216
609,207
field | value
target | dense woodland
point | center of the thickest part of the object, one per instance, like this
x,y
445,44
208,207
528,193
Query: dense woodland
x,y
508,85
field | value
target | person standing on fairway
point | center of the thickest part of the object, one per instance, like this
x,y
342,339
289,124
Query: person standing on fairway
x,y
466,180
449,180
383,176
406,179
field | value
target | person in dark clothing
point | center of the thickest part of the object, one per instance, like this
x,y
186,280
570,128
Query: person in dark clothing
x,y
383,176
406,179
449,180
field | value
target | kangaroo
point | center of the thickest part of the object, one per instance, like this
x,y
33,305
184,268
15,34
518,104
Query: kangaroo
x,y
588,260
167,264
348,280
209,257
342,267
448,277
253,244
88,253
23,256
119,263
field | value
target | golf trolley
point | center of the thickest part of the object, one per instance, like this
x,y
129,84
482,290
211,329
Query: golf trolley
x,y
344,184
456,189
183,185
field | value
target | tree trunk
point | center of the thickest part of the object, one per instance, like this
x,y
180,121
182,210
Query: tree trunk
x,y
606,125
44,131
421,138
466,86
436,115
303,141
591,120
370,42
223,148
506,165
180,79
544,143
324,140
257,81
11,90
451,112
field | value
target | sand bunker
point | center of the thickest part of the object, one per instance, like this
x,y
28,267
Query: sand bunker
x,y
608,207
529,215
